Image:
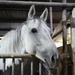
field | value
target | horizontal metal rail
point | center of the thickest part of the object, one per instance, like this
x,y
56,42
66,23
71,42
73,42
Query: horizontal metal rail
x,y
63,55
23,3
15,55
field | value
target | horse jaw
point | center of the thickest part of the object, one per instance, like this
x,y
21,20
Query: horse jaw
x,y
38,55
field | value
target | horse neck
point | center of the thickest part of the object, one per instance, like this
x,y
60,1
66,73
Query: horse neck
x,y
19,42
11,43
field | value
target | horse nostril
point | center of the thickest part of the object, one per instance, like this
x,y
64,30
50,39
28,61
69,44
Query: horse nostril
x,y
34,30
53,58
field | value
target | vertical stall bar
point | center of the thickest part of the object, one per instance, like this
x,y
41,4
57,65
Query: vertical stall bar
x,y
64,28
4,64
13,63
40,68
58,70
49,73
31,67
51,21
22,67
64,38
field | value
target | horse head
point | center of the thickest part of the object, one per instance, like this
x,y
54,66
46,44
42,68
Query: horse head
x,y
38,40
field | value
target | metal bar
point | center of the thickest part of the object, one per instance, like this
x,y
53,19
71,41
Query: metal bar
x,y
64,14
40,68
57,33
4,64
22,67
15,55
64,29
49,73
58,70
13,63
32,68
51,21
23,3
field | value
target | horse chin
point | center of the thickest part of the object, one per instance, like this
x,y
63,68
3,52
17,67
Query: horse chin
x,y
51,66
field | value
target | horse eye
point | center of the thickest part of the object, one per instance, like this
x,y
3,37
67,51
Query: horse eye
x,y
34,30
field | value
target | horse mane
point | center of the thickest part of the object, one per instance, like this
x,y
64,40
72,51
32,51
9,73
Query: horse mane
x,y
11,41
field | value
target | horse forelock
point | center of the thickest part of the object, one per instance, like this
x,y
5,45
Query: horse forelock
x,y
39,20
35,18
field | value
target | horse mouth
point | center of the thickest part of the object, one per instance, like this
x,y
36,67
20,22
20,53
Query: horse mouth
x,y
51,65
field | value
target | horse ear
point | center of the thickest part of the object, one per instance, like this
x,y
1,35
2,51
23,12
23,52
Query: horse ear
x,y
31,12
44,14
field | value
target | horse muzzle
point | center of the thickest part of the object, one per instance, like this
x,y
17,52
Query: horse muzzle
x,y
53,62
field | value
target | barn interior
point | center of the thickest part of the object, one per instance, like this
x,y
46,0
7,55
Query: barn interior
x,y
12,15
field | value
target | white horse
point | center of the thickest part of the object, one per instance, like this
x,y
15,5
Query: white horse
x,y
33,37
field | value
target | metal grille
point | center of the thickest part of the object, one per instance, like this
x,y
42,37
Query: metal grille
x,y
23,56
